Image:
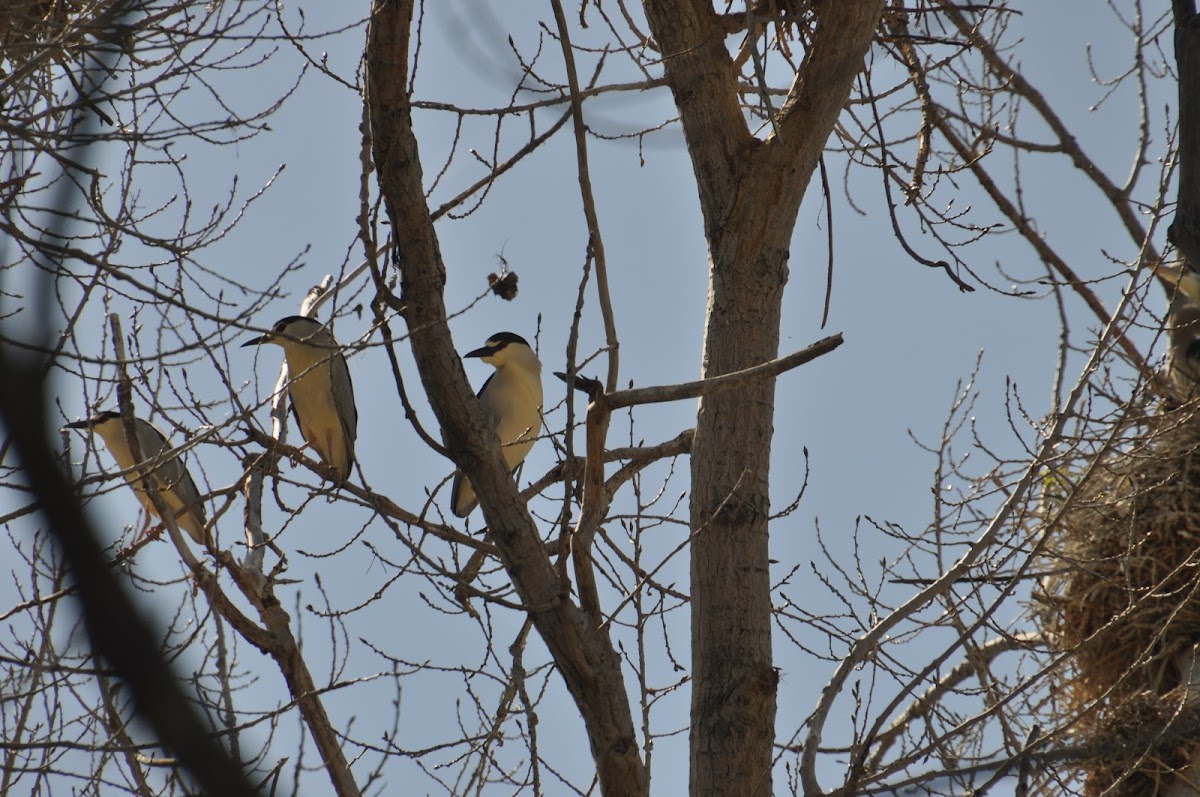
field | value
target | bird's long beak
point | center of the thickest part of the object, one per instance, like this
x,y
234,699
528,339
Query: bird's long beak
x,y
482,352
257,341
84,424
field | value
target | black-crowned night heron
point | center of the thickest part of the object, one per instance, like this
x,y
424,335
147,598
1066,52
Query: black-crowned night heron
x,y
512,400
1183,278
1183,325
167,472
320,387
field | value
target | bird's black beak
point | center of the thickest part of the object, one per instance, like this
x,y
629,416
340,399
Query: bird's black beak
x,y
257,341
483,352
84,424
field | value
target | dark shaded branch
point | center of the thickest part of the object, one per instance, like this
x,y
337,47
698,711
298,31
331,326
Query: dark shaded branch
x,y
704,387
584,654
115,626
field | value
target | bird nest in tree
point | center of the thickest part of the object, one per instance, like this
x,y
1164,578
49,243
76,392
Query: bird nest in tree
x,y
1129,728
29,27
1124,602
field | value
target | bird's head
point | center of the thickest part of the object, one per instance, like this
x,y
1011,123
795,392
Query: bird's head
x,y
108,425
108,419
293,329
503,348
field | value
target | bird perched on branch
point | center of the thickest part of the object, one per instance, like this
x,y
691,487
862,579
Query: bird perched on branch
x,y
320,387
1183,325
164,469
512,401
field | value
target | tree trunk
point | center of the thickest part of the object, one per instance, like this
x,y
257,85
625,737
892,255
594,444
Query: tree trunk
x,y
1185,229
750,193
582,651
733,679
1184,232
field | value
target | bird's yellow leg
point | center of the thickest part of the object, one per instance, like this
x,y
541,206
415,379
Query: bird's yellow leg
x,y
295,458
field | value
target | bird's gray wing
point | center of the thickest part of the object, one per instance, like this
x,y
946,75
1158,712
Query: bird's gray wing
x,y
295,415
461,485
489,410
493,417
170,473
343,399
483,387
458,493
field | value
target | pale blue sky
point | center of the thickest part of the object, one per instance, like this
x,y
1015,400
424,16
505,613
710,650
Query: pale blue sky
x,y
911,338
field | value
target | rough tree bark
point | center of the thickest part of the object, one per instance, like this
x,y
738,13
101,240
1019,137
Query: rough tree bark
x,y
750,194
1185,234
1185,229
583,652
